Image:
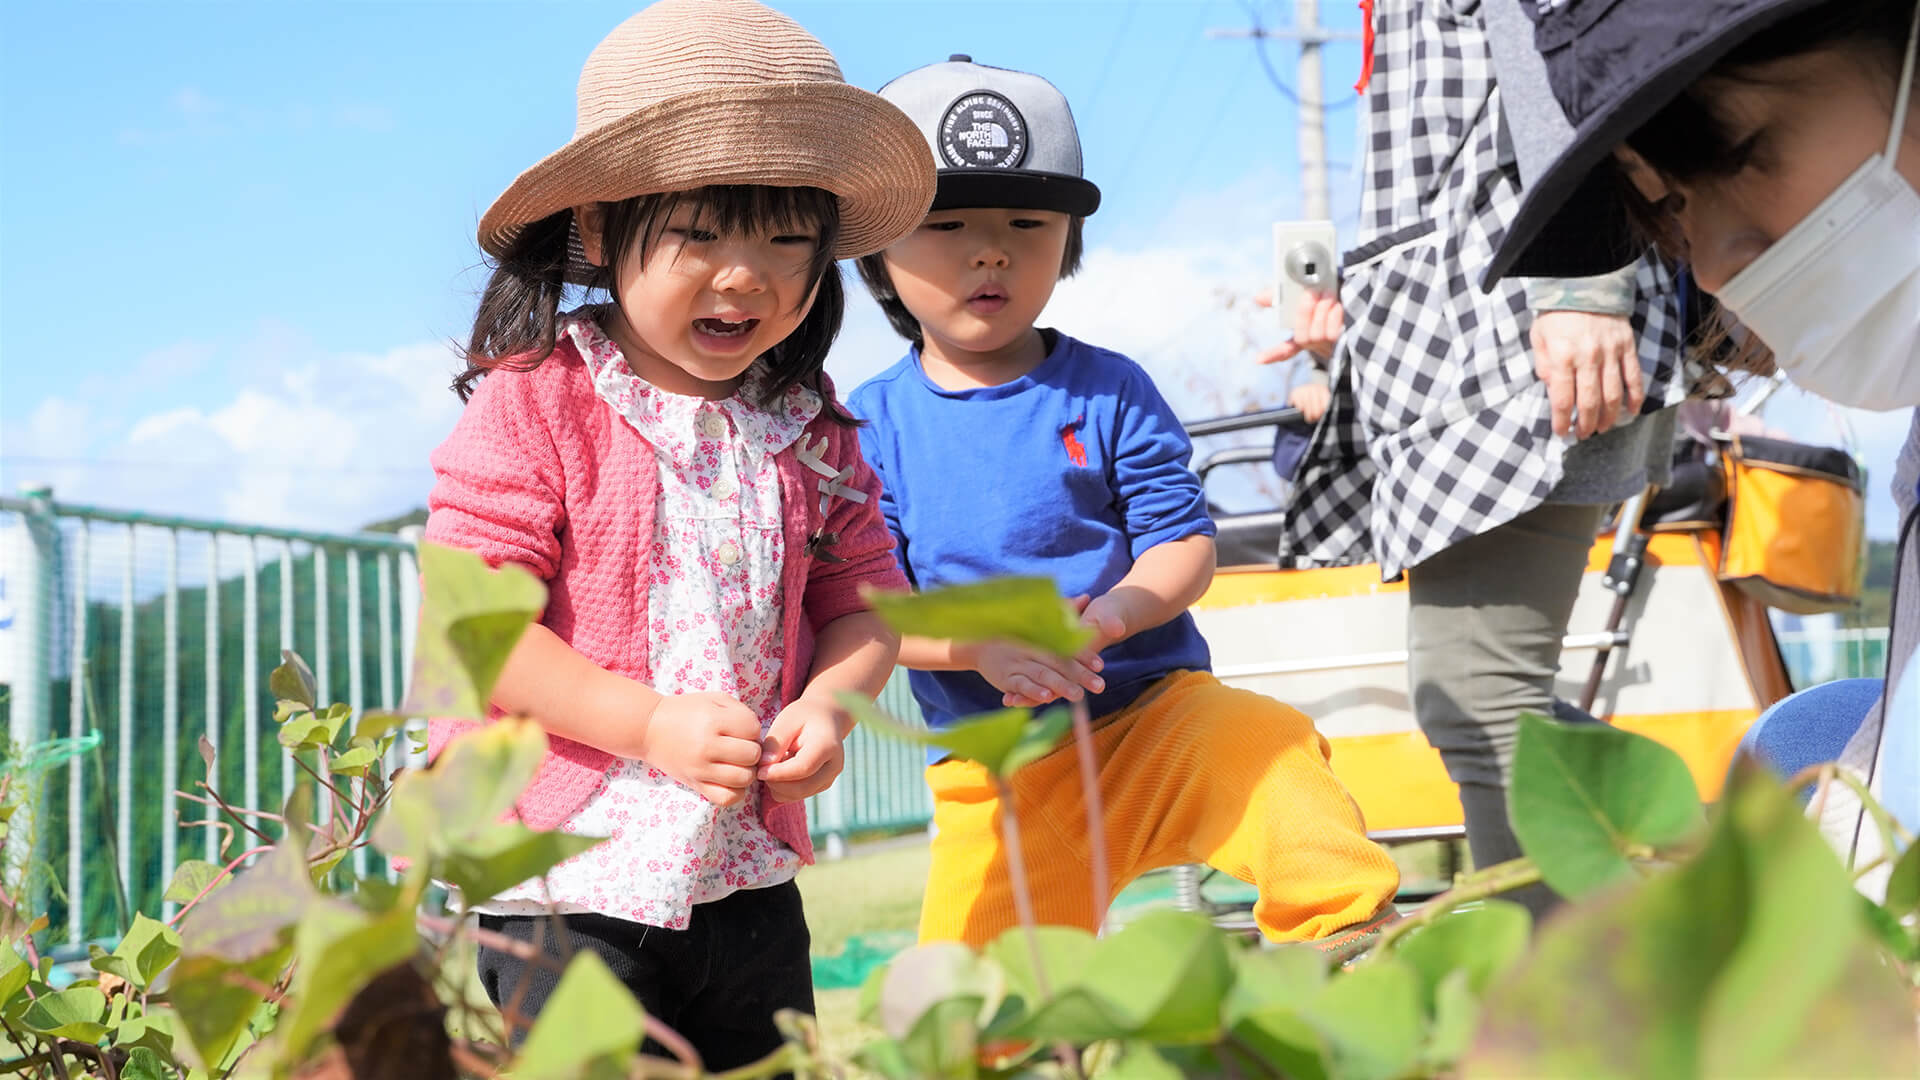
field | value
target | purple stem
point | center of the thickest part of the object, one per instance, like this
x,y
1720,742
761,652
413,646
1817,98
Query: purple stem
x,y
1096,813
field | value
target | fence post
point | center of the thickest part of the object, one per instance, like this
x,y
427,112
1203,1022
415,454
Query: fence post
x,y
34,572
831,804
408,586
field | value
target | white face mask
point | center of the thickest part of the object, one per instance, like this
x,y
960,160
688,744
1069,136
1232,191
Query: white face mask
x,y
1837,298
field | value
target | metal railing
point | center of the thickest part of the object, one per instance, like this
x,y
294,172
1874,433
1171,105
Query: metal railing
x,y
881,789
148,637
1817,656
129,639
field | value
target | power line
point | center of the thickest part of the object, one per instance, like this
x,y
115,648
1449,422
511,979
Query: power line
x,y
1175,73
1260,36
1226,101
1113,50
1310,100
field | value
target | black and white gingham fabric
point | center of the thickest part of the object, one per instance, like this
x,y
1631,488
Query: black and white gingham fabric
x,y
1439,430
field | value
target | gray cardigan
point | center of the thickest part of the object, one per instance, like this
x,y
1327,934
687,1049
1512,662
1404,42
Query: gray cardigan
x,y
1616,464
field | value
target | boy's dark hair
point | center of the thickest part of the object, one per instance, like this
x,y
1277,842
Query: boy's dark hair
x,y
518,321
873,271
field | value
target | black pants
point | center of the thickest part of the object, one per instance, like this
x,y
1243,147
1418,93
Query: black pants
x,y
718,982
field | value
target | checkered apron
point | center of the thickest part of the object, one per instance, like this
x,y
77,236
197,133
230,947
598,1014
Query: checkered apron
x,y
1438,429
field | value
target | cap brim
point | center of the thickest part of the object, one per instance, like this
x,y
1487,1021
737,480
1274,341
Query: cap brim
x,y
828,135
1023,189
1572,220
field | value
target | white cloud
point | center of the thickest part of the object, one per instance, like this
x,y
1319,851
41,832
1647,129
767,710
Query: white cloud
x,y
319,442
160,426
191,101
192,113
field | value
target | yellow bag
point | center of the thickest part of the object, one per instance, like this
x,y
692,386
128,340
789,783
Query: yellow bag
x,y
1796,523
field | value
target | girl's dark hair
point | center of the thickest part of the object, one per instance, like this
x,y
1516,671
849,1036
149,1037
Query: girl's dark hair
x,y
1689,140
873,271
518,321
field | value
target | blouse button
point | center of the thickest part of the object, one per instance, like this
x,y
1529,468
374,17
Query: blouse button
x,y
724,488
713,424
729,553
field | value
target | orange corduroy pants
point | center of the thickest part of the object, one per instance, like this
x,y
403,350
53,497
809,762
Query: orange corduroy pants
x,y
1193,771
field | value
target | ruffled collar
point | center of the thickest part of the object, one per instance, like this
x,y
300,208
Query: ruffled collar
x,y
672,422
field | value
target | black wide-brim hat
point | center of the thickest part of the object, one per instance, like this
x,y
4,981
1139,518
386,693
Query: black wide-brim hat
x,y
1613,64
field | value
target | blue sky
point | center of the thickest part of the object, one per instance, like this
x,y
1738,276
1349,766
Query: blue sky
x,y
234,238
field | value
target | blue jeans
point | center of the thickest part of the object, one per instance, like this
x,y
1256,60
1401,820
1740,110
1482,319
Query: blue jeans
x,y
1810,727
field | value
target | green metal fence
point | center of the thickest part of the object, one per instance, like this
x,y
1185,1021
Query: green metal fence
x,y
148,639
136,637
1817,656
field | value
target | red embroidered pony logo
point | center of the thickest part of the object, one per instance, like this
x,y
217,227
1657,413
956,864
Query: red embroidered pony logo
x,y
1076,453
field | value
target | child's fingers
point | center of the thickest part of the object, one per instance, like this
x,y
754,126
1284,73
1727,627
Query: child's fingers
x,y
1056,682
1031,690
720,794
733,750
781,734
1081,674
806,761
796,790
811,770
724,775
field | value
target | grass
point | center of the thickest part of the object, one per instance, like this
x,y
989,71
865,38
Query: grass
x,y
875,890
879,889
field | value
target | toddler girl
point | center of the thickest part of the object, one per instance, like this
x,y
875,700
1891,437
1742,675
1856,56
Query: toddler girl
x,y
673,464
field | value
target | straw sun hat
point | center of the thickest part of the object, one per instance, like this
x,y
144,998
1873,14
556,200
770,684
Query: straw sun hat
x,y
691,93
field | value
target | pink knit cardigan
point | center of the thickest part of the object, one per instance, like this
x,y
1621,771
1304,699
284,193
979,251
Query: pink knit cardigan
x,y
539,471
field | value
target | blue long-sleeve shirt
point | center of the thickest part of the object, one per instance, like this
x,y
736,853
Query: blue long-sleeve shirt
x,y
1070,472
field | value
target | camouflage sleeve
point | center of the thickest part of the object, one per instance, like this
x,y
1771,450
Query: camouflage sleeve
x,y
1607,294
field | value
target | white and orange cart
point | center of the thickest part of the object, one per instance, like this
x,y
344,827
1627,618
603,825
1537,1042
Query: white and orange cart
x,y
1691,662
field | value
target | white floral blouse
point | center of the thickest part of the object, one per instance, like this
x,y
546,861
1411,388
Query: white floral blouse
x,y
713,623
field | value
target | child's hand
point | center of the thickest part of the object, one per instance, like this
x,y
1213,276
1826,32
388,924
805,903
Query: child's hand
x,y
1026,676
1312,400
709,742
803,751
1106,617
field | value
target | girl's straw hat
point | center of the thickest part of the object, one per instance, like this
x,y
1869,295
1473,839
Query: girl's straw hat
x,y
690,93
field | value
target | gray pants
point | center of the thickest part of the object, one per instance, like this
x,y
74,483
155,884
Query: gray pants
x,y
1483,633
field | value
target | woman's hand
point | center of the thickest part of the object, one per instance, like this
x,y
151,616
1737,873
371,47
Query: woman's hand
x,y
1318,320
1591,365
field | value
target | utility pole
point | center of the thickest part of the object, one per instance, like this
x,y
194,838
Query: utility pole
x,y
1306,31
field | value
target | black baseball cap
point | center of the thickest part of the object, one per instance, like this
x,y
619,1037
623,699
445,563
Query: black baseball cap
x,y
999,137
1613,64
